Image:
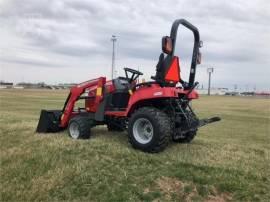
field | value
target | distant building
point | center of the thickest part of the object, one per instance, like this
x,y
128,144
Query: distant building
x,y
40,85
18,87
232,93
66,85
250,93
263,93
4,85
213,91
32,85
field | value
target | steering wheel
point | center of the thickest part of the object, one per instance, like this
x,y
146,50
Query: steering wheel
x,y
133,71
134,74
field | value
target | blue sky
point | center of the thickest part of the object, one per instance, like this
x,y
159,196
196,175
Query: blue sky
x,y
69,41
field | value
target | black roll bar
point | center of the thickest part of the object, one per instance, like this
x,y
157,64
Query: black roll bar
x,y
195,47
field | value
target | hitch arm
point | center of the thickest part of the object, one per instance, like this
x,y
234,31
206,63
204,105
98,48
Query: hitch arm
x,y
204,122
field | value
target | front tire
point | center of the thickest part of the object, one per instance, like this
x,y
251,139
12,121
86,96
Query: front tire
x,y
79,128
149,130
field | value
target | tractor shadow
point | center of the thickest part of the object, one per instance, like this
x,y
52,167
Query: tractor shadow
x,y
101,132
121,138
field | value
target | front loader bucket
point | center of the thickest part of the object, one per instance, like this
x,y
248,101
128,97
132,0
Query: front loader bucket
x,y
49,121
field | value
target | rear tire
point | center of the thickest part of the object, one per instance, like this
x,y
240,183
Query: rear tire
x,y
79,128
149,130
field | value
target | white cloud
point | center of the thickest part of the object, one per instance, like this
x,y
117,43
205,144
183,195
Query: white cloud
x,y
70,40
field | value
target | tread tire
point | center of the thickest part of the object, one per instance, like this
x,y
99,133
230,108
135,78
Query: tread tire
x,y
161,127
84,127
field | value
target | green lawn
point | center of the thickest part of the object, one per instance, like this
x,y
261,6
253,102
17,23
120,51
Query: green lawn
x,y
228,160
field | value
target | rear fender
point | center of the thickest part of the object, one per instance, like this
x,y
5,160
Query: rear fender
x,y
147,94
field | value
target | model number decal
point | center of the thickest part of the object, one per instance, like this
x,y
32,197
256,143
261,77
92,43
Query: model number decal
x,y
158,93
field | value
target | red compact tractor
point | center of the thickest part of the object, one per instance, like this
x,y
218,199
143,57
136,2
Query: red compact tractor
x,y
153,112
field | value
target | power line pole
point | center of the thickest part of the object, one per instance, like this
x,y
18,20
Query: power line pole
x,y
235,87
113,39
210,70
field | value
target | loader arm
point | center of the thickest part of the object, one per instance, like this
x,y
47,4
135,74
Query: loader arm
x,y
74,95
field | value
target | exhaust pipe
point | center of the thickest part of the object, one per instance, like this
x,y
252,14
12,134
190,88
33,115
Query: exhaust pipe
x,y
49,121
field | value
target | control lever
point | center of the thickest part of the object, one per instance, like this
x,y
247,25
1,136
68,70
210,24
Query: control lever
x,y
192,88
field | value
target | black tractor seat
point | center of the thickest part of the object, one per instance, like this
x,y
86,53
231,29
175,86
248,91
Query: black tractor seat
x,y
161,69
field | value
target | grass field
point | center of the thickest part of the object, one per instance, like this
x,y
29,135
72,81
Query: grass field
x,y
228,160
